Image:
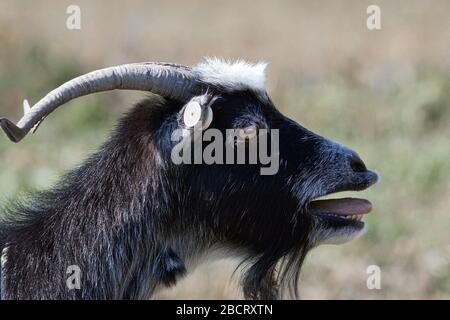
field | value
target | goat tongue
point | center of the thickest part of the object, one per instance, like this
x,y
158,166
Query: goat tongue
x,y
344,206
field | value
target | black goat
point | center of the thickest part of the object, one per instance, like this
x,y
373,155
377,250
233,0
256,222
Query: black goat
x,y
131,220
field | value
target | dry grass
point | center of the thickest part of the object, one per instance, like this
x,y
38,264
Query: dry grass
x,y
384,93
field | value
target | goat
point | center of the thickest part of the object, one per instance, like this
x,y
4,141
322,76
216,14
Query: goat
x,y
132,221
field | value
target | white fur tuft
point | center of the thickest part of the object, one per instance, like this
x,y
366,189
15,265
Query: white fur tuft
x,y
232,75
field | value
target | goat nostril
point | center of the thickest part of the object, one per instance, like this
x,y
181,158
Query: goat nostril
x,y
357,164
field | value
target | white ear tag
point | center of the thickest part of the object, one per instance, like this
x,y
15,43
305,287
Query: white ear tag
x,y
192,114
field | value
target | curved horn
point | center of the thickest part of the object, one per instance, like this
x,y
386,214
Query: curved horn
x,y
167,80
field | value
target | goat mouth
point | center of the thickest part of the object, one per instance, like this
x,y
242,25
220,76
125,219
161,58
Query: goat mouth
x,y
337,221
346,209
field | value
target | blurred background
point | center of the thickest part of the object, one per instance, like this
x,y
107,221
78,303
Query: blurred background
x,y
385,93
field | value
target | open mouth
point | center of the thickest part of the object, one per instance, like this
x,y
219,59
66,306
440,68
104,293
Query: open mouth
x,y
340,220
350,210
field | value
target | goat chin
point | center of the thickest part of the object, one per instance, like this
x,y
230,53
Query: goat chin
x,y
337,237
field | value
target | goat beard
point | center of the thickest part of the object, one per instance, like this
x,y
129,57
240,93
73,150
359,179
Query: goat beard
x,y
275,272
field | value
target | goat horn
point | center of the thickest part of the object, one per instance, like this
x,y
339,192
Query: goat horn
x,y
168,80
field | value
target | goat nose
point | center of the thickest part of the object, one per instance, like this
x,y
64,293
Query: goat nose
x,y
356,162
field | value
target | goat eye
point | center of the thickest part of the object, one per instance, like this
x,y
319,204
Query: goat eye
x,y
192,114
247,133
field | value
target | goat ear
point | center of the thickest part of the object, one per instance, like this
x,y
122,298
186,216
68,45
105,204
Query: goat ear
x,y
197,114
207,118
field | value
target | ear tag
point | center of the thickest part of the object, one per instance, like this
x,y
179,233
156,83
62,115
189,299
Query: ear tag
x,y
192,114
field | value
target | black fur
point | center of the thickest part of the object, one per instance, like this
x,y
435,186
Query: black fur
x,y
132,220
